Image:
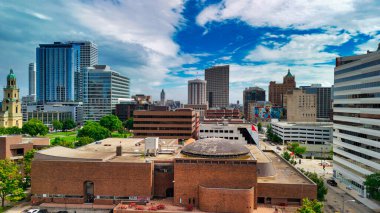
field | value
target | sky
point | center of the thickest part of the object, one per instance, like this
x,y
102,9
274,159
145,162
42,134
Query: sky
x,y
164,43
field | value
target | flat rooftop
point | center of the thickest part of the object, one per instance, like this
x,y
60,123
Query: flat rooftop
x,y
285,173
303,124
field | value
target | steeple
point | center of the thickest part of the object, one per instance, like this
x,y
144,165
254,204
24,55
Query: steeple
x,y
11,79
289,74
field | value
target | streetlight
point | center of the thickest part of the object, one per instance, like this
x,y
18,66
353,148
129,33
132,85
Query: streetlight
x,y
347,201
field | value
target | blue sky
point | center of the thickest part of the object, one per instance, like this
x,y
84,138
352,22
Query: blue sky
x,y
163,44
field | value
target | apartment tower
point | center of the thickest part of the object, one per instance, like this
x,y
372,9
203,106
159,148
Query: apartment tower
x,y
217,90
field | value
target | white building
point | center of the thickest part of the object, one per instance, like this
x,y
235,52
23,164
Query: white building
x,y
315,136
357,119
236,132
197,92
32,79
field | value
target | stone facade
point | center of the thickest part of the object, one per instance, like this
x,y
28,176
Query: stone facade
x,y
277,91
300,106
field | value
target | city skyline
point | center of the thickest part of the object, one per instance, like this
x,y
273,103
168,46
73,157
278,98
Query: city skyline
x,y
165,44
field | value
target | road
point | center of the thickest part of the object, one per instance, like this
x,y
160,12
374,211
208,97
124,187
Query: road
x,y
334,202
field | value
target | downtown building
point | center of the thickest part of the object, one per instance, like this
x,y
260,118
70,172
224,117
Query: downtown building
x,y
278,90
324,100
218,89
58,69
197,99
356,119
102,89
250,96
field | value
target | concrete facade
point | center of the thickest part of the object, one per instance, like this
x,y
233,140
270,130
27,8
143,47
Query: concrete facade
x,y
300,106
218,88
197,92
14,146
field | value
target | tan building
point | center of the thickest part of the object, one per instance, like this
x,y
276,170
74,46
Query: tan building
x,y
301,107
178,124
10,114
277,91
14,147
200,108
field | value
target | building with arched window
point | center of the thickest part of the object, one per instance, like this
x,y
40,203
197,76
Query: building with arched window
x,y
10,114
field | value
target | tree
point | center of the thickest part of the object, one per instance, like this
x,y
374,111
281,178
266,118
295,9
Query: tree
x,y
84,141
259,127
128,123
27,165
286,155
310,206
93,130
372,183
321,188
68,124
3,131
57,125
296,148
111,122
34,127
10,182
14,130
58,141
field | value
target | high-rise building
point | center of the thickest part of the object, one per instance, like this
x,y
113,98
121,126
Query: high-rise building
x,y
197,92
300,106
58,69
277,91
218,89
356,119
10,114
324,100
32,79
102,88
162,98
251,95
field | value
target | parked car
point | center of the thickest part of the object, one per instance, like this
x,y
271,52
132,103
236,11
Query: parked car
x,y
332,182
37,211
279,148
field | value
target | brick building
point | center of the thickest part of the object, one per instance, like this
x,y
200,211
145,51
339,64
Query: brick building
x,y
15,146
179,124
277,91
235,177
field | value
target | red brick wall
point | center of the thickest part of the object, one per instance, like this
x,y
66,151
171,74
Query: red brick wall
x,y
226,200
5,143
189,176
162,182
279,192
110,178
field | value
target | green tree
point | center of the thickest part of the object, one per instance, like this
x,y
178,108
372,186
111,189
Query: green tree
x,y
286,155
321,188
259,127
3,131
68,124
93,130
296,148
14,130
27,165
311,206
84,141
58,141
128,124
57,125
10,182
34,127
372,183
111,122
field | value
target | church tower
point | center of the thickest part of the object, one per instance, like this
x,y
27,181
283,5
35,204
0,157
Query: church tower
x,y
10,114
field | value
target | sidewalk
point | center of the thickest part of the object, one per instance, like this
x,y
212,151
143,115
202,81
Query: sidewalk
x,y
375,206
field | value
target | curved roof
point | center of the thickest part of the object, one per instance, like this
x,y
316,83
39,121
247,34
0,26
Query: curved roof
x,y
11,75
215,148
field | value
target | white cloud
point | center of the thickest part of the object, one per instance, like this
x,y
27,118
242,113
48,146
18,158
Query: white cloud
x,y
370,45
301,49
354,16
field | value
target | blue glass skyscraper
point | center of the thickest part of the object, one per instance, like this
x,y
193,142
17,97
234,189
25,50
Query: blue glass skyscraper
x,y
58,69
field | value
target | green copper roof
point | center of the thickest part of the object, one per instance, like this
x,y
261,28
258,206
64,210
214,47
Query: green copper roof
x,y
289,74
11,75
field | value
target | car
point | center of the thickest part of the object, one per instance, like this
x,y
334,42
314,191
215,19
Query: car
x,y
279,148
332,182
37,211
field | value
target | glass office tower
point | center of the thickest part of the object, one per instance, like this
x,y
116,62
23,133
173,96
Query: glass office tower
x,y
102,88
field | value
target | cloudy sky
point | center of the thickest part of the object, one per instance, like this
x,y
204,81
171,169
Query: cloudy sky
x,y
164,43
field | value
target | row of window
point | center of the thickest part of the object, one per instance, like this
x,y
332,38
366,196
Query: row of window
x,y
217,131
228,138
358,86
355,96
357,67
357,115
374,106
